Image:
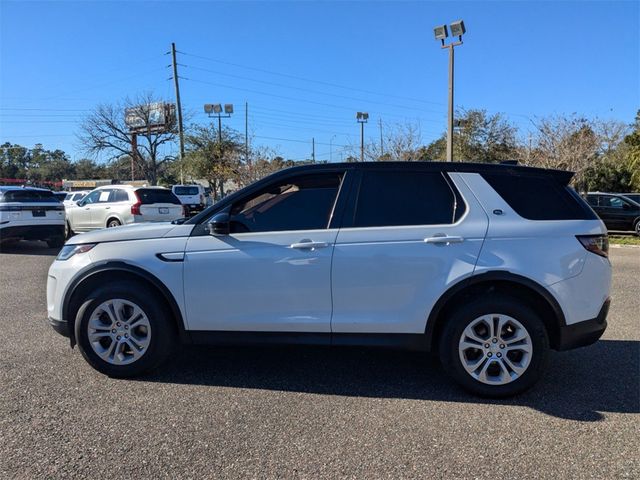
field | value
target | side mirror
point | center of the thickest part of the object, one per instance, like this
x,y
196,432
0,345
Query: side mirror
x,y
219,225
79,203
626,206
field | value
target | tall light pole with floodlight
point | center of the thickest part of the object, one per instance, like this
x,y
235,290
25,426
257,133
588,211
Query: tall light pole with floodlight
x,y
441,33
215,110
362,118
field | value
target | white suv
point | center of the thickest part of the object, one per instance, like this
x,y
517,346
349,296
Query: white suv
x,y
31,214
115,205
451,258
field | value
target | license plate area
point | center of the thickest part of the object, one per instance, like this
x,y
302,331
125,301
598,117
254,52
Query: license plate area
x,y
163,210
38,213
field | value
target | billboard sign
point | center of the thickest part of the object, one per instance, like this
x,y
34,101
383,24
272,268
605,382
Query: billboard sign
x,y
156,117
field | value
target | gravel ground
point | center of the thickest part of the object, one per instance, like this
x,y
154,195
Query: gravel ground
x,y
307,412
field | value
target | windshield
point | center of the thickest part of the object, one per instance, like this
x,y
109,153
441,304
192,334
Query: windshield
x,y
156,195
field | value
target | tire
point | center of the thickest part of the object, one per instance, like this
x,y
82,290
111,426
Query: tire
x,y
637,227
68,232
153,335
510,366
113,222
55,242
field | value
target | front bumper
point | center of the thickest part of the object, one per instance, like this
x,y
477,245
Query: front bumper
x,y
60,326
585,333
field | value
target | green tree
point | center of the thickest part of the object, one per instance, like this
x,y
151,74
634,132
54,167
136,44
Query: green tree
x,y
209,159
481,137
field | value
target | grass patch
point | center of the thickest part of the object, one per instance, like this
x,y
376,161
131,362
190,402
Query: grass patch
x,y
624,240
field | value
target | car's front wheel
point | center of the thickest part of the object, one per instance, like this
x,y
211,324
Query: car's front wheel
x,y
495,346
124,331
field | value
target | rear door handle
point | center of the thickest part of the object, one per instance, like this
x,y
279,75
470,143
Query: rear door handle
x,y
309,245
444,239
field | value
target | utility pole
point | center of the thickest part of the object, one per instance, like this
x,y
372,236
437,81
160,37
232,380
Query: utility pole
x,y
313,150
179,108
381,143
134,152
246,138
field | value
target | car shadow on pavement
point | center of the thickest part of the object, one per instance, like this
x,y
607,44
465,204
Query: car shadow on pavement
x,y
578,385
27,247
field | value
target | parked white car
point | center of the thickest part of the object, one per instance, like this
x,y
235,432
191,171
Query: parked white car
x,y
490,266
74,197
31,214
191,196
115,205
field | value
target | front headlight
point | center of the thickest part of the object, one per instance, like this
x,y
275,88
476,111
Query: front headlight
x,y
69,251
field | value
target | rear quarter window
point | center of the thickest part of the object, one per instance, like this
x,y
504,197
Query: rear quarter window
x,y
155,195
540,197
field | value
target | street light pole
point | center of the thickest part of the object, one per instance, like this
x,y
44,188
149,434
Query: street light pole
x,y
362,118
450,113
441,32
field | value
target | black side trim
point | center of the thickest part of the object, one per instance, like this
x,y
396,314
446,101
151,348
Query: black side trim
x,y
125,267
389,340
487,277
60,326
584,333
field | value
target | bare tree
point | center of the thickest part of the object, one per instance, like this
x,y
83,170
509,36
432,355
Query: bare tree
x,y
400,143
104,131
575,143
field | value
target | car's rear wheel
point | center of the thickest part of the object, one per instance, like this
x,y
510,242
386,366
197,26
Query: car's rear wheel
x,y
123,331
113,222
495,346
68,231
637,227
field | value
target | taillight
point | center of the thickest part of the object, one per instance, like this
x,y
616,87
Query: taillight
x,y
185,211
135,208
201,199
598,244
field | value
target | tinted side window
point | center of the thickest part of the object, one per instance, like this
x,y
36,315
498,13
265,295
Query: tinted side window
x,y
539,197
119,196
593,200
300,203
394,198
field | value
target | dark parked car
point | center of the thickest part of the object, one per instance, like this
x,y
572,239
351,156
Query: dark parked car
x,y
633,196
617,211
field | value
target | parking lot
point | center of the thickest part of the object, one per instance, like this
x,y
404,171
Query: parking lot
x,y
308,413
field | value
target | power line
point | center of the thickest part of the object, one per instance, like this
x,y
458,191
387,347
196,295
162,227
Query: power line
x,y
320,82
313,91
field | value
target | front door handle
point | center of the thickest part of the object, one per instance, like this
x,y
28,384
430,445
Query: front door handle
x,y
107,208
307,245
444,239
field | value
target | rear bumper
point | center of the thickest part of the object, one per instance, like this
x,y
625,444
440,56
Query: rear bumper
x,y
585,333
32,232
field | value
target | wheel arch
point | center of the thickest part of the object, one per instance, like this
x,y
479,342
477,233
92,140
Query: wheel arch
x,y
116,271
501,282
113,216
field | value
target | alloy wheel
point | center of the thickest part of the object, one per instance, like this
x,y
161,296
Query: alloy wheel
x,y
495,349
119,331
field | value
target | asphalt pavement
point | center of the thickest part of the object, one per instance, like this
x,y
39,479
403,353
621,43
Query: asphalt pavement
x,y
307,412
